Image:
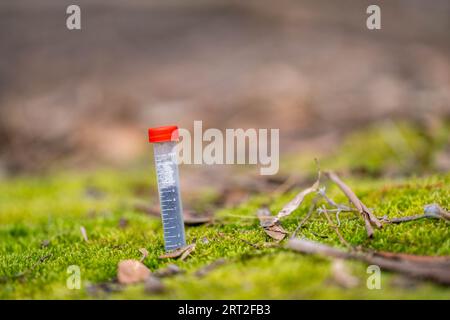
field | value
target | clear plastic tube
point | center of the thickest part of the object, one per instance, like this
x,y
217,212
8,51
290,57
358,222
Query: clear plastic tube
x,y
169,195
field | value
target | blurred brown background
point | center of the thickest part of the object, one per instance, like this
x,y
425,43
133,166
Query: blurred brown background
x,y
310,68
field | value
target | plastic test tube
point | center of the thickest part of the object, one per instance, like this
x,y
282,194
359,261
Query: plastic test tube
x,y
164,140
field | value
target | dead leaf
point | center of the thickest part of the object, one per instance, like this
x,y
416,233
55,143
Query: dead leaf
x,y
266,219
270,225
297,201
132,271
276,232
144,253
187,252
84,233
181,252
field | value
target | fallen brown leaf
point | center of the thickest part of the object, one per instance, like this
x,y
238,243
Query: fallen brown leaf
x,y
276,232
132,271
297,201
266,219
272,227
187,252
181,253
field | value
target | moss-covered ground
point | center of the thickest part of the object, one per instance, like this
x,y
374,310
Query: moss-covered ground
x,y
41,216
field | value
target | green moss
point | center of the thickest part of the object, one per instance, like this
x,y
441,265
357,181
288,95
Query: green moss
x,y
40,220
53,210
384,148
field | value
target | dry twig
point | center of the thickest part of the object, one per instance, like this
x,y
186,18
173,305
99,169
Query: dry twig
x,y
435,271
432,211
366,213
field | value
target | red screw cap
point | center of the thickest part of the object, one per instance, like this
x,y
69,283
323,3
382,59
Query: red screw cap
x,y
163,134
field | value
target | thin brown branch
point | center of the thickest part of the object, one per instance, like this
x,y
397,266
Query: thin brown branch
x,y
408,218
445,260
432,211
438,272
366,213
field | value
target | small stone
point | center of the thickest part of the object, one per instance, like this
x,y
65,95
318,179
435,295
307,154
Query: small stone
x,y
432,209
154,285
132,271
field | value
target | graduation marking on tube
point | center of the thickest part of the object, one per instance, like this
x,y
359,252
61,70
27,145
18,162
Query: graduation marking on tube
x,y
164,141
